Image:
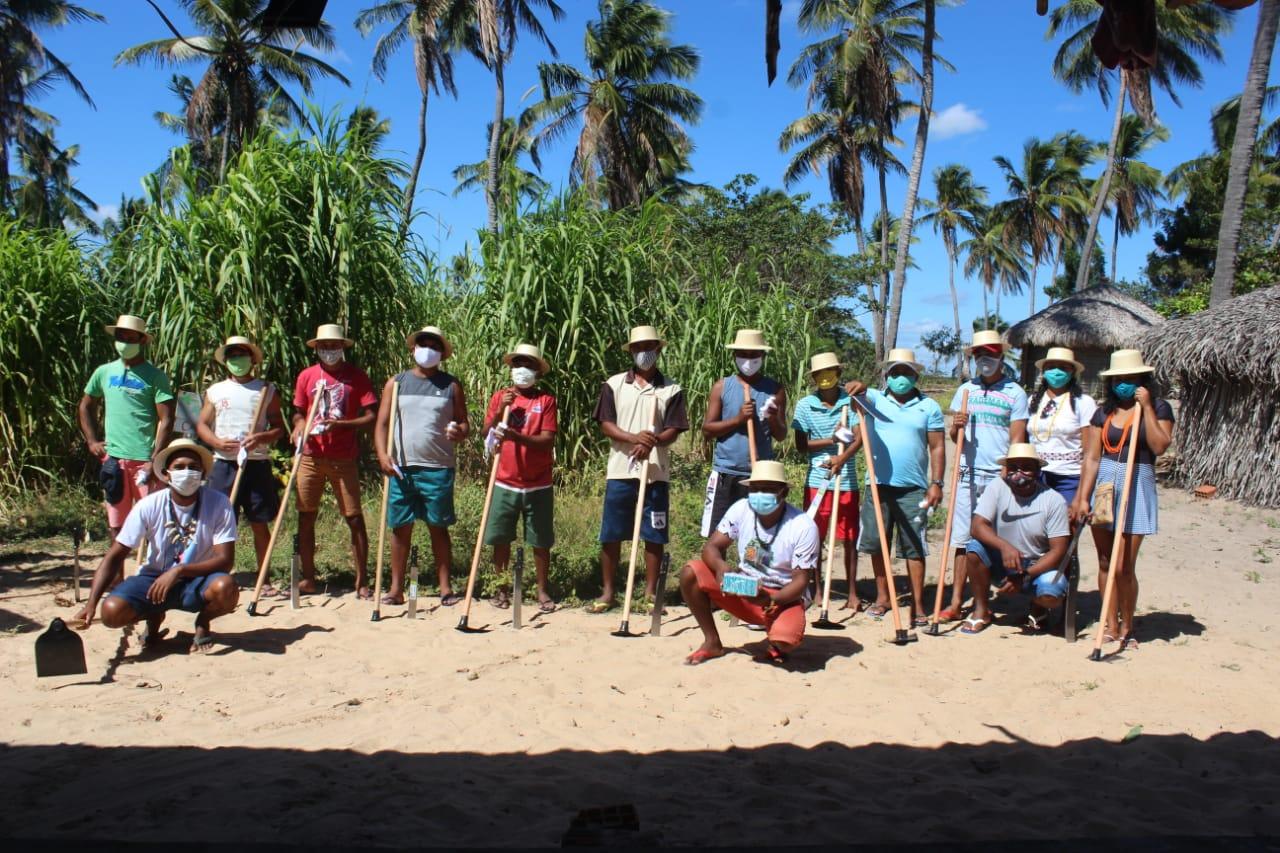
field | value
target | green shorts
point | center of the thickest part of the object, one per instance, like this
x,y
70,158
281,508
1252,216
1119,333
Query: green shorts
x,y
900,508
423,494
509,506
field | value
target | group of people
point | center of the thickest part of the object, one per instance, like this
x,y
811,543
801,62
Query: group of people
x,y
1031,470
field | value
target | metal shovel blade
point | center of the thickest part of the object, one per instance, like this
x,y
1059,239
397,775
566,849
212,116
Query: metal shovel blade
x,y
59,651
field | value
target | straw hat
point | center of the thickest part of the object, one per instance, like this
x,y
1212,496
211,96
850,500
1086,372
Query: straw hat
x,y
1126,362
749,339
162,458
902,356
1020,451
435,332
824,361
1060,354
642,335
767,471
331,332
529,351
986,338
220,354
132,324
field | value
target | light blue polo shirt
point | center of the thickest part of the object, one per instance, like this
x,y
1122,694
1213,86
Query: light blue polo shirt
x,y
899,434
992,408
817,421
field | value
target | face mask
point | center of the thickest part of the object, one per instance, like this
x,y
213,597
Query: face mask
x,y
763,503
826,379
1020,481
645,359
988,365
1125,390
427,357
901,384
523,377
331,356
239,365
127,351
1057,377
185,482
749,366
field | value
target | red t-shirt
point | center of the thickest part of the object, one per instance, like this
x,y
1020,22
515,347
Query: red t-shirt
x,y
519,465
347,390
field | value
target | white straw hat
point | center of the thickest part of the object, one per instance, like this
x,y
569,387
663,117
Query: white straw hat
x,y
1126,362
1020,450
331,332
161,459
749,339
986,338
220,354
824,361
131,323
903,356
528,351
1060,354
643,335
433,331
767,471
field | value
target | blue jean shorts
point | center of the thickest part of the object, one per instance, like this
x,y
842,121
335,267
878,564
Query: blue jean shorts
x,y
620,511
185,595
1052,583
425,494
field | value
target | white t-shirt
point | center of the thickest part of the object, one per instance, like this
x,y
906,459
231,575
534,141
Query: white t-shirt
x,y
772,554
1054,429
215,525
233,405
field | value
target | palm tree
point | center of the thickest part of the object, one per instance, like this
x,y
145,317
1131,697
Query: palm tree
x,y
1073,152
249,61
1182,35
426,22
517,184
1135,186
28,69
1242,148
629,103
995,262
957,205
44,194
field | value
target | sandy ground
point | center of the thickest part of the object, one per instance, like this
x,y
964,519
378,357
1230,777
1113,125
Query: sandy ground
x,y
318,726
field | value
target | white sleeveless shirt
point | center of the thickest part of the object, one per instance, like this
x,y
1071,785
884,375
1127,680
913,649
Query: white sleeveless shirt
x,y
233,405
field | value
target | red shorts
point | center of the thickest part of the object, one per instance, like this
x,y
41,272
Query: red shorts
x,y
846,519
783,625
133,492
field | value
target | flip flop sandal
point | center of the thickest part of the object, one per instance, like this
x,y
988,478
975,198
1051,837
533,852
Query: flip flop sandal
x,y
598,607
501,600
390,599
950,614
199,644
876,611
364,594
973,625
547,606
1130,644
772,655
449,599
920,622
701,656
147,641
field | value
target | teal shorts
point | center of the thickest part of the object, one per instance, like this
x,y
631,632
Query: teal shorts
x,y
509,506
423,494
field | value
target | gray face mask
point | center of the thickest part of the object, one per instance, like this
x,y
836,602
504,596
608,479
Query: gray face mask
x,y
330,356
646,359
989,365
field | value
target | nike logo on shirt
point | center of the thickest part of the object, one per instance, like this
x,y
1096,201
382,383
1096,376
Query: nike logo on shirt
x,y
1010,519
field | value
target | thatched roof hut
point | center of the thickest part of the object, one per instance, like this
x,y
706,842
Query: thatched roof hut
x,y
1094,322
1225,364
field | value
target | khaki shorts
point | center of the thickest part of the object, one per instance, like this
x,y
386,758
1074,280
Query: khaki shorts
x,y
343,474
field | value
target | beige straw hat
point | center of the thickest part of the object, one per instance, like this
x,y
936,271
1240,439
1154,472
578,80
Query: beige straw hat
x,y
767,471
902,356
131,323
161,459
749,339
642,335
529,351
1020,451
433,331
1060,354
1126,362
220,354
986,338
824,361
331,332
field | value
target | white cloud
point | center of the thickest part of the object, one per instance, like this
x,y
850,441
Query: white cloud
x,y
956,120
105,212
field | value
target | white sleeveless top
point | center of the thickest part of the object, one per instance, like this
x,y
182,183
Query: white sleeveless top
x,y
233,405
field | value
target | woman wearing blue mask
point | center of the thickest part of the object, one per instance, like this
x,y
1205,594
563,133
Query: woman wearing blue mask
x,y
1060,415
1106,450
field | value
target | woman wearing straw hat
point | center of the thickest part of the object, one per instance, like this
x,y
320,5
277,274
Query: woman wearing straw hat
x,y
138,406
190,532
1060,415
227,425
1129,381
346,403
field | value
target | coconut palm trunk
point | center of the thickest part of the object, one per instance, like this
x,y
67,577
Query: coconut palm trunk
x,y
411,186
1242,149
1115,243
495,133
1095,216
885,283
1035,268
955,303
986,310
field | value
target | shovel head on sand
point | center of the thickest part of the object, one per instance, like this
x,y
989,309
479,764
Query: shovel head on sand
x,y
59,651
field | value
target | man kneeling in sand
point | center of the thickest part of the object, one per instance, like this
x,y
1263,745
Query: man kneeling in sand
x,y
190,533
1020,534
777,548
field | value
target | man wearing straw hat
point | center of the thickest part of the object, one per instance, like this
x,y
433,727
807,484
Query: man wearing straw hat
x,y
190,533
228,426
346,406
777,551
1020,535
430,421
138,405
997,417
735,403
642,413
525,446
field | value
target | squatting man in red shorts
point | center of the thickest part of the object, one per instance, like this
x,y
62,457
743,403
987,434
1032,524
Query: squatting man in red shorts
x,y
777,546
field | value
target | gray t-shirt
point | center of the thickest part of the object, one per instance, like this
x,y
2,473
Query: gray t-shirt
x,y
1025,523
426,407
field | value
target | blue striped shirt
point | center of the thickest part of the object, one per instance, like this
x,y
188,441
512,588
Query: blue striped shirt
x,y
818,421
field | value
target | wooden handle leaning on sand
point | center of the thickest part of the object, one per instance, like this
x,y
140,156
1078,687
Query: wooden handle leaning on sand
x,y
635,524
484,520
253,425
951,514
831,528
284,501
386,493
898,630
1117,528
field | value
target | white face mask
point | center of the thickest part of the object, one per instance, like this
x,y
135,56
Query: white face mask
x,y
185,481
331,356
749,366
645,359
988,365
523,377
427,357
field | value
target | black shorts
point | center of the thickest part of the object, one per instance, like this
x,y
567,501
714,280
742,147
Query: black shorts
x,y
723,491
259,494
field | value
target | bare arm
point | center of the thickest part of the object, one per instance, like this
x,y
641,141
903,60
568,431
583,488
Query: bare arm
x,y
1091,450
1052,558
713,426
1018,432
713,553
382,427
793,591
938,464
460,413
88,412
982,530
110,566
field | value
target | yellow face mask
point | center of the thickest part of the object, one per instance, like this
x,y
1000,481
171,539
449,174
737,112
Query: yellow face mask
x,y
826,379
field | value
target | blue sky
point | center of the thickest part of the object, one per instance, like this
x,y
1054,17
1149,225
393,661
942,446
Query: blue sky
x,y
1002,93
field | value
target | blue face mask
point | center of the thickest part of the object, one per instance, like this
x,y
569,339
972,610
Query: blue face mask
x,y
763,503
1125,390
901,384
1057,377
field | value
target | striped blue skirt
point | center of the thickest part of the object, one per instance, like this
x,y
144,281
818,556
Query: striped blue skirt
x,y
1144,508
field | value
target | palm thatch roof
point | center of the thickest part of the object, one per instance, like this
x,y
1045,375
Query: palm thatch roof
x,y
1236,340
1099,317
